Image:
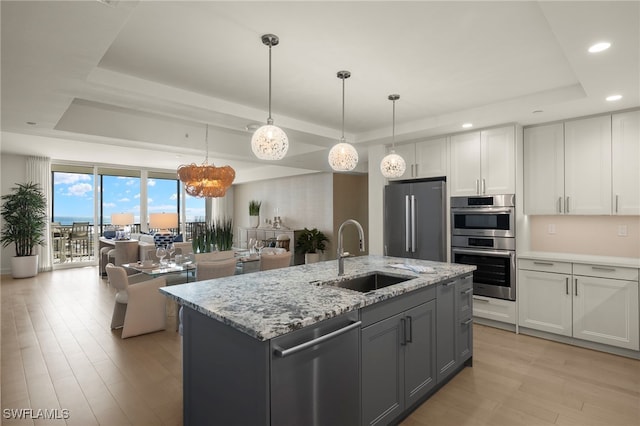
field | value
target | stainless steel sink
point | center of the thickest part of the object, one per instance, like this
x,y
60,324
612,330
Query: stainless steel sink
x,y
367,283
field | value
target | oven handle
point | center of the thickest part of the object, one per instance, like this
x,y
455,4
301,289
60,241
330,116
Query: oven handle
x,y
482,210
499,253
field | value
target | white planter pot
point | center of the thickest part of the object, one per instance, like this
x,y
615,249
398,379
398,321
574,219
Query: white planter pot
x,y
214,255
254,221
311,258
24,266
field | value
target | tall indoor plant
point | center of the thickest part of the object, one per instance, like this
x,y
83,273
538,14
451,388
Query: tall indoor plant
x,y
311,242
24,223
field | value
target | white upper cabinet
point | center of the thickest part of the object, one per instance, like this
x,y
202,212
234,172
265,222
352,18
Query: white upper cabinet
x,y
483,162
544,169
625,133
424,159
587,169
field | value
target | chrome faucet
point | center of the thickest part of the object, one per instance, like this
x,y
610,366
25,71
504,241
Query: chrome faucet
x,y
341,254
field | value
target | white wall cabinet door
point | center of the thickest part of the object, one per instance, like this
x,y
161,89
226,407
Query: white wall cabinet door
x,y
431,158
587,171
497,161
545,301
544,169
465,164
625,132
606,311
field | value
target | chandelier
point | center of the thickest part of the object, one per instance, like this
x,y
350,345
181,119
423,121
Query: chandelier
x,y
343,157
206,180
393,165
270,142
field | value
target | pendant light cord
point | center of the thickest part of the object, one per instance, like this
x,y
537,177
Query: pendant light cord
x,y
269,119
206,145
342,139
393,127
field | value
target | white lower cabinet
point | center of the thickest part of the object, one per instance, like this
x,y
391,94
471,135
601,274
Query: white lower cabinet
x,y
588,302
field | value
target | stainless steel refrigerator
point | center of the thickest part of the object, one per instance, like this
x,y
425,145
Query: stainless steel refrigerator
x,y
415,220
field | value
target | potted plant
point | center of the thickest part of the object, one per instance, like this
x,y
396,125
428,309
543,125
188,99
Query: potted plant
x,y
254,213
311,242
213,242
24,215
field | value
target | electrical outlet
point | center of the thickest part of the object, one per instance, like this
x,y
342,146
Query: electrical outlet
x,y
551,229
622,230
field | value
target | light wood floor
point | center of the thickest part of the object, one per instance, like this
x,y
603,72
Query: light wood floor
x,y
58,353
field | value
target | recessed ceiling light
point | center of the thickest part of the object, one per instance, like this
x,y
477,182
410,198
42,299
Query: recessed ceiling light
x,y
599,47
467,125
614,98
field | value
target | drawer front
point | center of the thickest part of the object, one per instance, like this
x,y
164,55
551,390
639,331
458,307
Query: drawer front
x,y
465,298
494,309
603,271
380,311
545,266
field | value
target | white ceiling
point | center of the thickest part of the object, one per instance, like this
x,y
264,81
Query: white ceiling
x,y
135,82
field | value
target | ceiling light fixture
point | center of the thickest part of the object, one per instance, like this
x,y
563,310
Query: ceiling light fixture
x,y
206,180
343,157
613,98
467,125
270,142
599,47
393,165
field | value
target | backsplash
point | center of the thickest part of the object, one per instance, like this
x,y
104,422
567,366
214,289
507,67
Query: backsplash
x,y
591,235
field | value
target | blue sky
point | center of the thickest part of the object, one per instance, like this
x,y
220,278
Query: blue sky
x,y
74,196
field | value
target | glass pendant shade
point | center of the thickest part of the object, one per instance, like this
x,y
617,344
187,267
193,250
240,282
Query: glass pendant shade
x,y
269,142
343,157
393,165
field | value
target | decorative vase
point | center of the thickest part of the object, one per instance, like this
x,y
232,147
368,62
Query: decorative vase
x,y
311,258
24,266
254,221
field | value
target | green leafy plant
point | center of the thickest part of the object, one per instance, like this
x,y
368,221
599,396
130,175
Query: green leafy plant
x,y
24,214
311,241
254,208
224,234
203,238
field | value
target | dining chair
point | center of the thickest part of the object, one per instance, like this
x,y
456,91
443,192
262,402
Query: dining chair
x,y
79,239
215,269
283,241
139,307
275,261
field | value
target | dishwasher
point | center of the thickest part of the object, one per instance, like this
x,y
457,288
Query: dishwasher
x,y
315,374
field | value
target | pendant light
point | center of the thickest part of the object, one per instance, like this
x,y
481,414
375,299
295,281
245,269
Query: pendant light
x,y
393,165
343,157
270,142
206,180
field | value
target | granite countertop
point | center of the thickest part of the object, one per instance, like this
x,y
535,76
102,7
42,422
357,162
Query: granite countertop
x,y
627,262
268,304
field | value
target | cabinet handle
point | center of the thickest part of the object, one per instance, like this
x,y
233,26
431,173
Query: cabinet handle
x,y
412,175
566,205
477,186
559,204
467,291
484,186
403,326
601,268
450,283
286,352
616,203
417,169
535,262
566,285
467,322
410,322
576,284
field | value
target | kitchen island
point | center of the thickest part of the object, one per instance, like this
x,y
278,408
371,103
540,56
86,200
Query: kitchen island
x,y
374,355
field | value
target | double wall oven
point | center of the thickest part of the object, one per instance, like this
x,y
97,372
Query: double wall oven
x,y
483,234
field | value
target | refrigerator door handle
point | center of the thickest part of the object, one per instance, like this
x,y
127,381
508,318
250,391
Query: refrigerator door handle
x,y
407,223
413,224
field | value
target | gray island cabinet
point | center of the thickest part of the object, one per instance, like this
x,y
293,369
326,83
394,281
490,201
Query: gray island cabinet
x,y
293,347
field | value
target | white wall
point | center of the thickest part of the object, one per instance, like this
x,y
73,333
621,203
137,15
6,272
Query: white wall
x,y
376,200
302,201
14,170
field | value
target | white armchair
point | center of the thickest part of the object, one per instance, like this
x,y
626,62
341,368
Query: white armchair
x,y
139,308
